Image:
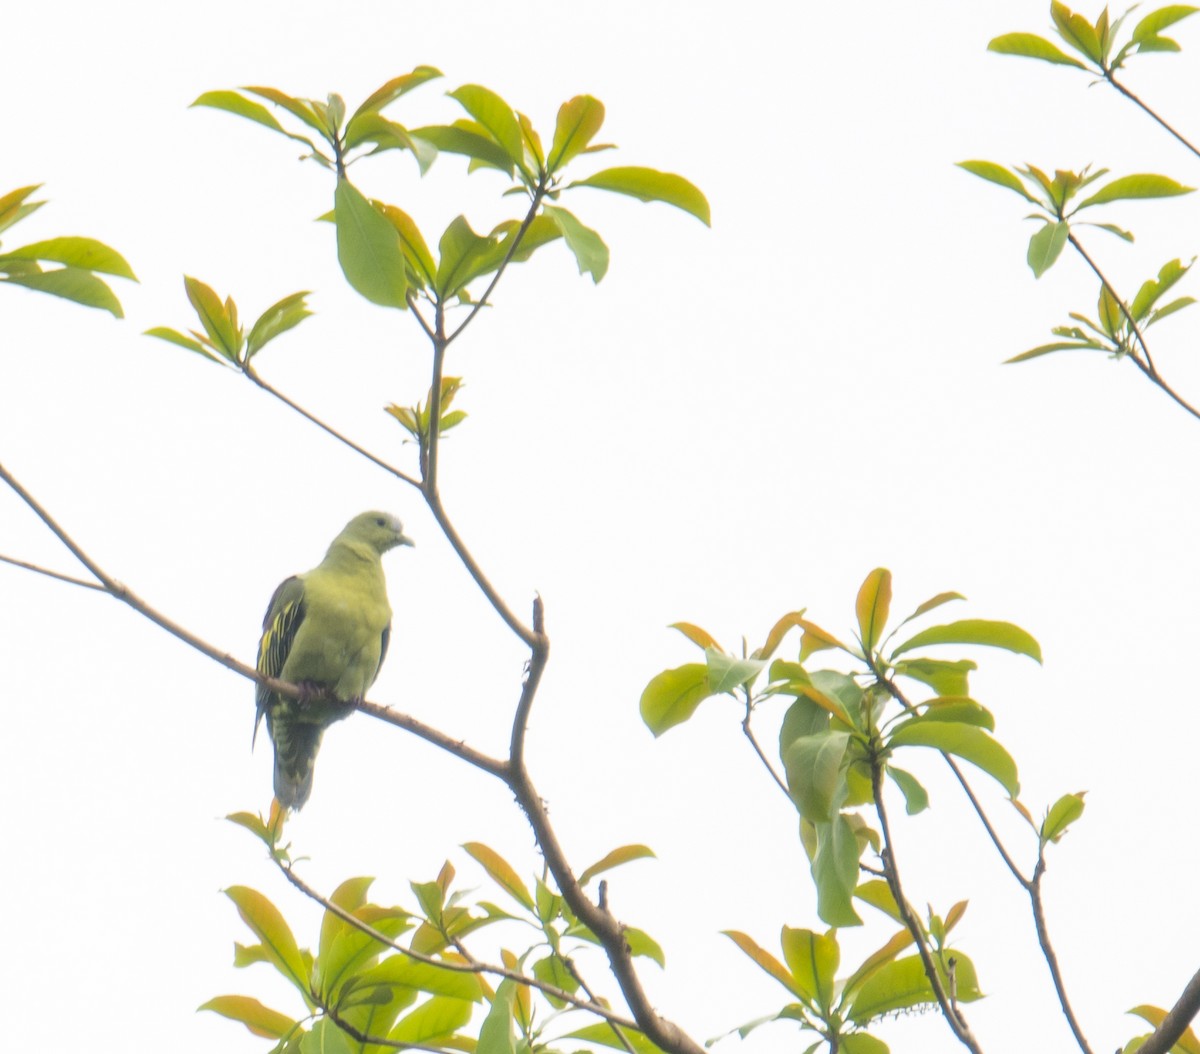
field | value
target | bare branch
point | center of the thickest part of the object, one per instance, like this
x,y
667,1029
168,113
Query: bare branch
x,y
249,371
1108,75
1034,888
779,782
52,574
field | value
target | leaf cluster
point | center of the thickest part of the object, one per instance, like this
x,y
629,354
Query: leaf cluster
x,y
384,976
74,262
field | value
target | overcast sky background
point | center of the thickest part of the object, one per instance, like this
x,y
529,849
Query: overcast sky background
x,y
734,424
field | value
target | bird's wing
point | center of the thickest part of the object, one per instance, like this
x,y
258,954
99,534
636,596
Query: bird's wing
x,y
282,620
383,647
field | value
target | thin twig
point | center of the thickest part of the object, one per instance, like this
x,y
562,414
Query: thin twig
x,y
537,663
1147,365
359,1036
749,732
52,574
953,1016
1034,888
535,203
1108,75
249,371
573,970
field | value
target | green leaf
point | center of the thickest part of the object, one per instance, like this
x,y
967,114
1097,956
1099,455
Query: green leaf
x,y
1141,185
232,102
464,255
958,708
412,242
725,673
502,872
700,637
1156,21
916,798
1170,273
432,1022
259,1019
1077,31
895,945
672,696
945,678
463,138
601,1033
1046,246
1111,316
325,1038
835,870
616,858
579,119
1188,1043
299,108
648,184
269,927
862,1043
214,317
1032,47
495,116
767,962
401,972
591,254
1062,814
1047,349
975,631
641,943
84,253
775,637
497,1034
878,894
369,249
872,606
12,206
277,319
968,742
902,984
813,960
393,89
71,283
816,773
1170,309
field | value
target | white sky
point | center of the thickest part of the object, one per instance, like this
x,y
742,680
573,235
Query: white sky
x,y
734,424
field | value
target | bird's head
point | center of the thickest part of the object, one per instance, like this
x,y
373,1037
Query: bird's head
x,y
380,530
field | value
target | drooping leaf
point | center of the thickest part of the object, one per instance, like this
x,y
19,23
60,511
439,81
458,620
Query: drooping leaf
x,y
232,102
463,138
975,631
412,242
1047,349
648,184
968,742
945,678
672,696
1156,21
700,637
260,1020
85,253
815,773
1046,246
834,870
775,637
1031,46
497,1034
369,249
591,254
463,256
71,283
916,798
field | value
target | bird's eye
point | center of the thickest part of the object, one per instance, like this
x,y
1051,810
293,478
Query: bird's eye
x,y
380,521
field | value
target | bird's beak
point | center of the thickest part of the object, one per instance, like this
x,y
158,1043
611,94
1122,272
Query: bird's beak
x,y
405,540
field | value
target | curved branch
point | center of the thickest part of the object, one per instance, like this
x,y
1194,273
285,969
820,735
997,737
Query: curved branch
x,y
749,733
1177,1020
1034,888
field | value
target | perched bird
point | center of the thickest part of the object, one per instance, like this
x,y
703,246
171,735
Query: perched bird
x,y
327,632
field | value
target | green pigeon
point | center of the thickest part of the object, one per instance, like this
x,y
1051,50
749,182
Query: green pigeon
x,y
327,632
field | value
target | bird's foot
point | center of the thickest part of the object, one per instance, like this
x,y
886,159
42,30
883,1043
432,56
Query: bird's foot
x,y
310,694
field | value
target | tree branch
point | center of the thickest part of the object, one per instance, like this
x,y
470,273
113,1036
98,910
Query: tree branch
x,y
779,782
1108,75
949,1010
1175,1024
1034,888
249,371
52,574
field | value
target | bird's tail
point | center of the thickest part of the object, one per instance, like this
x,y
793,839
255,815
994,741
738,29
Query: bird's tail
x,y
295,755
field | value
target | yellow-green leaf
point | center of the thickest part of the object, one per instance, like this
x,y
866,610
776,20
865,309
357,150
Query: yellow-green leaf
x,y
501,871
648,184
872,606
